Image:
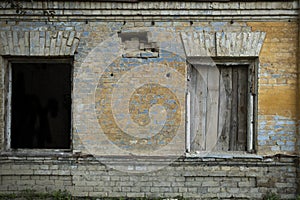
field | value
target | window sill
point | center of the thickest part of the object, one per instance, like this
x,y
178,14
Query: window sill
x,y
223,155
37,153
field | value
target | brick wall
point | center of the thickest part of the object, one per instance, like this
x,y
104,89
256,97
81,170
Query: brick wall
x,y
207,178
277,85
278,69
238,175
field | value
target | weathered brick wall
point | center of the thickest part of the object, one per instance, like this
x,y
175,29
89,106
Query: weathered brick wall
x,y
207,178
277,99
278,69
191,177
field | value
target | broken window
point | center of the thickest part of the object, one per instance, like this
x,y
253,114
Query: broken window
x,y
40,105
220,107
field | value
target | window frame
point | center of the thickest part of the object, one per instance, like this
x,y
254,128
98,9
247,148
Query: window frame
x,y
8,101
252,107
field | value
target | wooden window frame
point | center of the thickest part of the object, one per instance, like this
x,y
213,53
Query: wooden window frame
x,y
252,64
8,99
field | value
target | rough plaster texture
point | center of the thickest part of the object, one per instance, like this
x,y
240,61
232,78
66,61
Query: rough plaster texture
x,y
188,177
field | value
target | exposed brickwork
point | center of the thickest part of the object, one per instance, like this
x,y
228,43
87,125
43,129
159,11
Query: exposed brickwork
x,y
101,23
191,178
140,102
277,84
39,43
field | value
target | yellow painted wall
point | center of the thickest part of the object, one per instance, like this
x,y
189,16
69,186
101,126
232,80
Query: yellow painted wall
x,y
277,99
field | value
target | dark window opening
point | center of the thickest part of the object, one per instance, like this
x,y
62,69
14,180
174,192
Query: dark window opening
x,y
40,105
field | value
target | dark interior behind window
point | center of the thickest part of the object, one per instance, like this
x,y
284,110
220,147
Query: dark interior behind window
x,y
41,105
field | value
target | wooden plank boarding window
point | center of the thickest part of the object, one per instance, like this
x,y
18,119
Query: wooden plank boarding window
x,y
234,132
39,105
221,108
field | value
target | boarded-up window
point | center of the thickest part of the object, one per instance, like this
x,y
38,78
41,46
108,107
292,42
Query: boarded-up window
x,y
219,104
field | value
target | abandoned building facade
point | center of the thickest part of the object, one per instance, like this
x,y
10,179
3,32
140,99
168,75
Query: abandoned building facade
x,y
133,98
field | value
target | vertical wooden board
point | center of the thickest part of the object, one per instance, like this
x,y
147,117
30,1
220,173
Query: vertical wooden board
x,y
225,101
212,108
218,108
195,141
234,111
191,82
202,93
198,90
242,108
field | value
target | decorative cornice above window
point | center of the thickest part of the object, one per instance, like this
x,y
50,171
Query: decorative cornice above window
x,y
227,44
39,43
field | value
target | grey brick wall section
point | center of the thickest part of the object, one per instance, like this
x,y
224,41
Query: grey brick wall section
x,y
239,178
39,43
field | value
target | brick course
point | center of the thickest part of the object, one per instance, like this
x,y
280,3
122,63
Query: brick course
x,y
248,178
